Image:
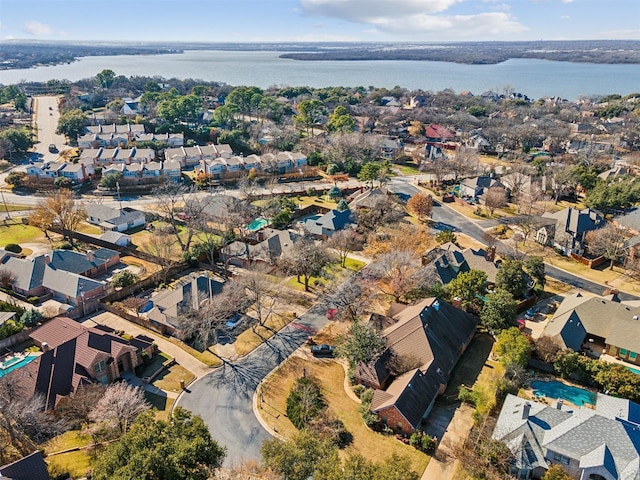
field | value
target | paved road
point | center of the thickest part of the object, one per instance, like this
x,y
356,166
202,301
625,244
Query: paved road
x,y
224,398
47,114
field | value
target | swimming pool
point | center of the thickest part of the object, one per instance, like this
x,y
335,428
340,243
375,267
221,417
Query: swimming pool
x,y
634,370
257,224
11,364
575,395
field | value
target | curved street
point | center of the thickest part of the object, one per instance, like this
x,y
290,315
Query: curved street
x,y
224,397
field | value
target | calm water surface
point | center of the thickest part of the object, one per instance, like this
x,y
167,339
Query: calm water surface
x,y
535,78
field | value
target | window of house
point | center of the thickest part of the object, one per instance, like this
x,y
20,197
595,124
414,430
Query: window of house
x,y
561,458
623,352
633,355
100,367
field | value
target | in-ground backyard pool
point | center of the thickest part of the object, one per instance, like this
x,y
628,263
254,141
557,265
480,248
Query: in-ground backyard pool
x,y
257,224
14,363
575,395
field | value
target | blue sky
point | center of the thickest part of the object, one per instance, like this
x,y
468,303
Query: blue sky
x,y
318,20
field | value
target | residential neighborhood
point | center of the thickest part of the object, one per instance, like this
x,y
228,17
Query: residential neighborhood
x,y
372,276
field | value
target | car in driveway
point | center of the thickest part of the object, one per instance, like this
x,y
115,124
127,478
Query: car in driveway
x,y
322,350
531,313
53,148
234,321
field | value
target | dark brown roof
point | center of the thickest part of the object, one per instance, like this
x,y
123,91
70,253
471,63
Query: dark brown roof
x,y
31,467
434,332
60,370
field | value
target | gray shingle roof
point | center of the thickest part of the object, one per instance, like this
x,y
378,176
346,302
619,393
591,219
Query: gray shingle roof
x,y
577,316
329,223
115,216
587,436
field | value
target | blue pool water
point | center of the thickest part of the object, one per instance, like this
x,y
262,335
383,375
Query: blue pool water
x,y
634,370
577,396
11,365
257,224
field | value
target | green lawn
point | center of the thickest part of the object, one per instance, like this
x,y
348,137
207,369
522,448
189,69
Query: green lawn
x,y
408,169
334,272
156,362
77,462
89,229
20,233
162,405
170,379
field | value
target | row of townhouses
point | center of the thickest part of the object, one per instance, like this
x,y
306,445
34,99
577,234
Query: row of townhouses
x,y
141,163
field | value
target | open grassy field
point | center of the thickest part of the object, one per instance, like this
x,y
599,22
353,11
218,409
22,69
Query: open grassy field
x,y
19,233
331,376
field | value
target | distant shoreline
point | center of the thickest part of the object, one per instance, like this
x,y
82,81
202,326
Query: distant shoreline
x,y
26,55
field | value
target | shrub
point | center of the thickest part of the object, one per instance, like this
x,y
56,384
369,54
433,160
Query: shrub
x,y
33,300
30,318
358,390
12,247
65,246
124,279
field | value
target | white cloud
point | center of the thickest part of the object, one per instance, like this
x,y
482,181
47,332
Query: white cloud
x,y
417,17
452,26
363,11
37,28
565,17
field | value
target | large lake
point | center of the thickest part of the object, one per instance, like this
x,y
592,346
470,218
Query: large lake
x,y
535,78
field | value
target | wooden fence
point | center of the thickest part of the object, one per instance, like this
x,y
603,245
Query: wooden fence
x,y
591,263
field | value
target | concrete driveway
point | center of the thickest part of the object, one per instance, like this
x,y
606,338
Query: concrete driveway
x,y
192,364
224,397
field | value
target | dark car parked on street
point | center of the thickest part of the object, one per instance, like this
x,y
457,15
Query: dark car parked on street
x,y
323,350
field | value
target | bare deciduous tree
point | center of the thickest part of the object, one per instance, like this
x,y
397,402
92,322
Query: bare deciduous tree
x,y
608,241
493,198
24,423
58,210
163,247
344,242
306,260
119,406
6,278
397,273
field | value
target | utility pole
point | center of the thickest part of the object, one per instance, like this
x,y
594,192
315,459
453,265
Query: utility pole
x,y
5,205
119,199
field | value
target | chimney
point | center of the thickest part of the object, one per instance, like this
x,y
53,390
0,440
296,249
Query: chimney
x,y
457,302
90,255
559,404
47,259
526,410
491,254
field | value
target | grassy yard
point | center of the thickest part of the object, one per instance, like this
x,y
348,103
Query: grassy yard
x,y
77,462
149,268
156,362
89,229
321,201
251,338
162,405
335,272
469,367
170,378
20,233
373,446
407,169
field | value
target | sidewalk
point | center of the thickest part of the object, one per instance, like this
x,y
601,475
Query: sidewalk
x,y
443,465
192,364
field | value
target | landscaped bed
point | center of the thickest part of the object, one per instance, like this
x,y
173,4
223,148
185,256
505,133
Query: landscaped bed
x,y
331,377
